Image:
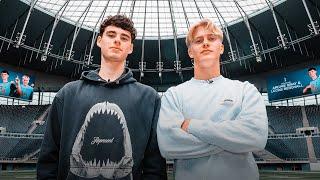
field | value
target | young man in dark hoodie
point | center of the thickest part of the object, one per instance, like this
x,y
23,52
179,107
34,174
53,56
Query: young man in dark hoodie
x,y
103,126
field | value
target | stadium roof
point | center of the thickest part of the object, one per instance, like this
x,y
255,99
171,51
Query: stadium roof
x,y
166,17
260,35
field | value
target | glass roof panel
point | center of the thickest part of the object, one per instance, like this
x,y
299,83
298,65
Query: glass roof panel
x,y
184,12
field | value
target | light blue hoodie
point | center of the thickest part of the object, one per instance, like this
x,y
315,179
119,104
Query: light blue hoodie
x,y
228,122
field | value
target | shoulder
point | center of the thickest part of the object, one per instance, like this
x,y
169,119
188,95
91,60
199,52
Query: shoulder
x,y
239,84
68,88
242,88
29,87
174,92
71,85
144,89
180,87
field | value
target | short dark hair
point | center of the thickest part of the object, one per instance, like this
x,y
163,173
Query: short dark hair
x,y
312,68
4,71
120,21
26,75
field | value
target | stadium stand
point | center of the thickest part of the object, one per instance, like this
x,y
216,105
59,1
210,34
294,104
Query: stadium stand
x,y
288,149
7,144
313,115
284,119
41,128
316,146
19,118
24,147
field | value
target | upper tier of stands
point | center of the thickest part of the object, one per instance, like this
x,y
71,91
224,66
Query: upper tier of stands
x,y
19,118
284,119
316,146
313,115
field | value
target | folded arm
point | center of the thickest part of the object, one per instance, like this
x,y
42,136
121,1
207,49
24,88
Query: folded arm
x,y
246,133
174,143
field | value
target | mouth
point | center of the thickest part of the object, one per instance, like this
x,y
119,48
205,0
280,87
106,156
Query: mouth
x,y
115,48
205,51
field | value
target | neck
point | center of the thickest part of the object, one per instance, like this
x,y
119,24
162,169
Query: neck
x,y
205,73
111,70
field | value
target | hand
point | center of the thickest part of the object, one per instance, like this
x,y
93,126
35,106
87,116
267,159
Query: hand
x,y
306,88
17,80
185,124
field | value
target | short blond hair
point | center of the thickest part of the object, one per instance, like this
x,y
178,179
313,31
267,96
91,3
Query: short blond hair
x,y
208,24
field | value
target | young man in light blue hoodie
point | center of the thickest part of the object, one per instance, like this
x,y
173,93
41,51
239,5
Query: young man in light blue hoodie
x,y
210,125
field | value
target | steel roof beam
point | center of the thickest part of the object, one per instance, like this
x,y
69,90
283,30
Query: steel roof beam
x,y
119,7
310,17
14,29
246,21
271,6
185,15
142,64
225,29
132,8
78,28
198,9
89,57
174,30
159,63
57,18
32,4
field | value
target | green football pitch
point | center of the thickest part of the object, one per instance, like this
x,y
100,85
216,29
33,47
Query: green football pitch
x,y
264,175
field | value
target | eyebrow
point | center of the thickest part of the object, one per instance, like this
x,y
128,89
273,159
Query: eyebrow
x,y
110,32
211,34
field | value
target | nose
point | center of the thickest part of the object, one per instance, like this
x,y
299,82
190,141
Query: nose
x,y
117,40
205,42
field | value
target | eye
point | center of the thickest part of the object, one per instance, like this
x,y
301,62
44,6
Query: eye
x,y
212,37
124,38
198,41
111,35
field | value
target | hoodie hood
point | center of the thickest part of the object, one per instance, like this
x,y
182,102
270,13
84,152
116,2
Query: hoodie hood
x,y
93,77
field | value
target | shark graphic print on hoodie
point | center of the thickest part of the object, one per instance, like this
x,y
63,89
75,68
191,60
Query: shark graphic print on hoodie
x,y
102,130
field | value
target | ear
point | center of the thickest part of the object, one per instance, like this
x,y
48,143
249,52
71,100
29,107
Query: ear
x,y
221,49
99,41
190,53
131,49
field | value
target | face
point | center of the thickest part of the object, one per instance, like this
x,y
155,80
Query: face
x,y
25,80
115,44
4,77
312,73
205,48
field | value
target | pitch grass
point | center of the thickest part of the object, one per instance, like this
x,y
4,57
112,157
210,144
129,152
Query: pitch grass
x,y
264,175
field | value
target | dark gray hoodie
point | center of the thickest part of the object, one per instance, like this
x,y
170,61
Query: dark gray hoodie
x,y
102,130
